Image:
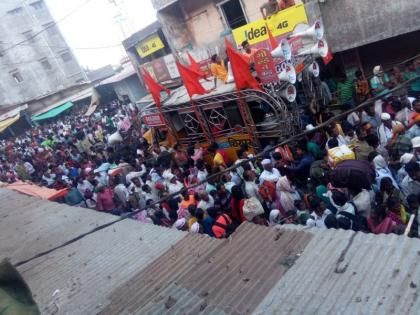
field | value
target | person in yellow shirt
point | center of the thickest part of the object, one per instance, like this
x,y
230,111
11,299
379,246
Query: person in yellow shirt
x,y
218,69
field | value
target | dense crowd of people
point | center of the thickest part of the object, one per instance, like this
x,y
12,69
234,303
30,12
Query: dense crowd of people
x,y
361,173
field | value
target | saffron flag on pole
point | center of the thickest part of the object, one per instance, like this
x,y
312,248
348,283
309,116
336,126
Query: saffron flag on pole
x,y
240,69
273,41
191,80
195,66
154,87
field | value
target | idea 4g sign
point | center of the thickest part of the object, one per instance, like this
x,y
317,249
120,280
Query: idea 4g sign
x,y
280,24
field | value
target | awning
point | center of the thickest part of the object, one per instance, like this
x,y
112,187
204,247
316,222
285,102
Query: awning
x,y
94,102
8,122
53,112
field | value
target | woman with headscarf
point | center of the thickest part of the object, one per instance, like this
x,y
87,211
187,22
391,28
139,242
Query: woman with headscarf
x,y
382,170
286,194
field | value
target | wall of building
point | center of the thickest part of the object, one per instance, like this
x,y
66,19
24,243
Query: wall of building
x,y
353,23
45,63
130,86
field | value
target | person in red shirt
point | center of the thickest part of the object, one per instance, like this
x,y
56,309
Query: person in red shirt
x,y
237,204
105,200
248,52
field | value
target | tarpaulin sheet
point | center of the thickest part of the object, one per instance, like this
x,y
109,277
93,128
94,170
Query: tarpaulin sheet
x,y
37,191
8,122
53,112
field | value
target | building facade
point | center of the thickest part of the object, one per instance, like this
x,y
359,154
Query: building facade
x,y
35,59
361,33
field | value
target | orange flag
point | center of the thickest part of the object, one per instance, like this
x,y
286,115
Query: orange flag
x,y
195,66
191,80
273,41
154,87
240,69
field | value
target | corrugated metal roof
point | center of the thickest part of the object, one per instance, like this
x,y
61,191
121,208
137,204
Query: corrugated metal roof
x,y
134,268
342,272
204,275
127,71
83,274
30,225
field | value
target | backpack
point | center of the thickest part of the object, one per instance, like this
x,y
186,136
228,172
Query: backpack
x,y
252,208
357,222
267,191
353,174
229,227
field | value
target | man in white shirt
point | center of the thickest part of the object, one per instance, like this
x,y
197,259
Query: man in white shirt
x,y
319,214
206,201
269,174
251,188
385,133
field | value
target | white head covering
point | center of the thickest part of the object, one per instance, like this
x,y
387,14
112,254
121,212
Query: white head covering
x,y
180,223
415,142
265,162
309,127
274,217
406,158
195,228
385,116
376,70
379,162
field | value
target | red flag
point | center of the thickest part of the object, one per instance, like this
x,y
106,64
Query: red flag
x,y
240,69
154,87
195,66
191,80
273,41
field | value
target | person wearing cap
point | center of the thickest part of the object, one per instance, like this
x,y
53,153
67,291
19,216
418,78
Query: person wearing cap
x,y
269,173
385,133
411,184
404,160
416,148
380,82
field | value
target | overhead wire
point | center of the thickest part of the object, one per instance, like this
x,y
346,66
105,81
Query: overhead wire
x,y
213,176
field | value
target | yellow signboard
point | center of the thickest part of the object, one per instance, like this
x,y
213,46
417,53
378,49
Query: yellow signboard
x,y
149,46
281,23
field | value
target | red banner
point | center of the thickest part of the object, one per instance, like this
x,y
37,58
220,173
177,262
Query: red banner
x,y
265,67
154,120
328,58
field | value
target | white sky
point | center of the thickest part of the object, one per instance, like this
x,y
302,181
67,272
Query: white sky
x,y
93,25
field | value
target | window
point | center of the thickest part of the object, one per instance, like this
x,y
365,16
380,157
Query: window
x,y
45,64
233,13
29,36
16,76
37,5
15,11
66,56
50,28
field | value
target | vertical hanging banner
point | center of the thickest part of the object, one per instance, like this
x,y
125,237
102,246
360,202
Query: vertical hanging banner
x,y
265,67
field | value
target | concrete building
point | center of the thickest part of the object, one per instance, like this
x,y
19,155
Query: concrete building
x,y
150,49
35,59
361,33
